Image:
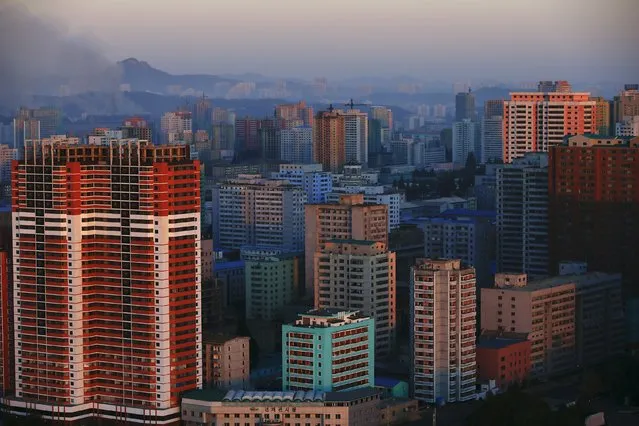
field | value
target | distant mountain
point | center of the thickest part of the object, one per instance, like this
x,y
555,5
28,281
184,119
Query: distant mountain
x,y
142,77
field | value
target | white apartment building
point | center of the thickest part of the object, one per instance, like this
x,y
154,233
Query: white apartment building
x,y
297,145
629,127
466,139
252,210
443,321
492,139
315,182
356,136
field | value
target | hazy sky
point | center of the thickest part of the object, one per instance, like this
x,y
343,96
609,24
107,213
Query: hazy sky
x,y
433,39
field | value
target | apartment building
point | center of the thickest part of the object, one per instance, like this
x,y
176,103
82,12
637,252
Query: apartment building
x,y
443,322
252,210
359,275
106,243
226,361
351,218
316,183
536,121
328,350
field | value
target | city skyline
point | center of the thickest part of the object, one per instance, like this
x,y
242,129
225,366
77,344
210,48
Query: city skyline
x,y
456,39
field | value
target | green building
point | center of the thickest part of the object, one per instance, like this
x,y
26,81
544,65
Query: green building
x,y
272,279
328,350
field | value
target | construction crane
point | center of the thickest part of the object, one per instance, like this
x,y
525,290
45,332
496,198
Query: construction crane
x,y
352,104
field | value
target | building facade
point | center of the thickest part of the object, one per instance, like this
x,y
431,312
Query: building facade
x,y
360,275
351,218
316,183
443,322
356,136
226,361
466,140
297,145
522,216
504,358
492,139
328,350
272,281
108,310
329,140
7,360
594,204
349,408
536,121
627,127
252,210
372,195
544,310
465,106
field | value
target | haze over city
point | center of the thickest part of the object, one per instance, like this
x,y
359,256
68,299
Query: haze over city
x,y
584,40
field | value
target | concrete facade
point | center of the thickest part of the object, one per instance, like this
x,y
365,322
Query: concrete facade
x,y
226,361
328,350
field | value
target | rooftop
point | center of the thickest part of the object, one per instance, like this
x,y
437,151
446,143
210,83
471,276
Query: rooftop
x,y
219,337
234,264
251,397
579,280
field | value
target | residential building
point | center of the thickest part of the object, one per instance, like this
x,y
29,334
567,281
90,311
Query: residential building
x,y
202,114
428,153
468,235
443,322
122,246
248,143
252,210
297,111
136,128
494,108
492,139
7,361
270,143
599,313
372,195
222,116
297,145
272,281
522,216
626,104
359,275
536,121
329,140
353,175
226,361
466,140
351,218
385,116
504,358
352,408
174,125
375,135
543,309
602,117
223,137
31,124
465,106
434,207
594,204
7,155
402,150
310,177
356,136
627,127
328,350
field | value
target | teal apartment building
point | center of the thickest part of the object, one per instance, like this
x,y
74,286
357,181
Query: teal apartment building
x,y
328,350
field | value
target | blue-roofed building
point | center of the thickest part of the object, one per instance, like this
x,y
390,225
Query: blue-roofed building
x,y
392,388
463,234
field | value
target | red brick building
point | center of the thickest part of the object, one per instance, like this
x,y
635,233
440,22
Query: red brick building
x,y
503,359
594,204
107,275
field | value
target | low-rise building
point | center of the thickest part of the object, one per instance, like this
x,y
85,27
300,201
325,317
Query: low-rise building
x,y
503,357
226,361
289,408
328,350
